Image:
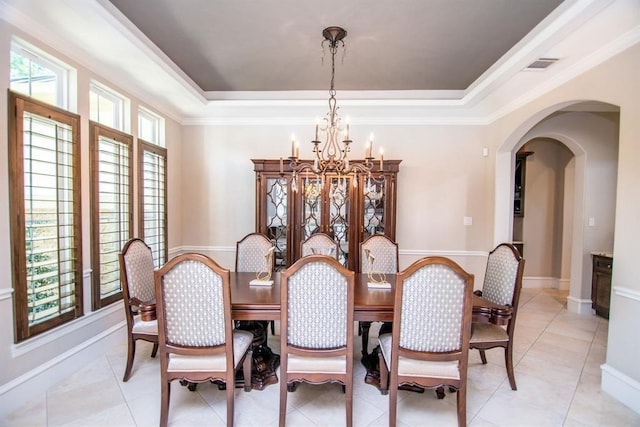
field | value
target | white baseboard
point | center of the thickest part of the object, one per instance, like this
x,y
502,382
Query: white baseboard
x,y
621,387
579,306
34,384
564,284
540,282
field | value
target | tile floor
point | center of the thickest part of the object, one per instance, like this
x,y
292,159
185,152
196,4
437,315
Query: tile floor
x,y
557,363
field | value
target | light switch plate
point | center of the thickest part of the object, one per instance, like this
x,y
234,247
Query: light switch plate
x,y
467,220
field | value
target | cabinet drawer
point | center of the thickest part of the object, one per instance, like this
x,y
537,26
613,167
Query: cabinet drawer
x,y
603,264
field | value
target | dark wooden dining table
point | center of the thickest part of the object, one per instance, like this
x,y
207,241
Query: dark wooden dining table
x,y
250,302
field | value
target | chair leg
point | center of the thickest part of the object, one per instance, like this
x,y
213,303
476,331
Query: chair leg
x,y
462,405
131,351
155,349
165,396
246,370
393,401
384,374
273,327
230,389
483,357
349,403
283,396
508,360
364,328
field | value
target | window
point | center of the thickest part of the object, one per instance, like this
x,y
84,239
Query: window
x,y
107,107
36,76
150,127
111,204
152,195
44,165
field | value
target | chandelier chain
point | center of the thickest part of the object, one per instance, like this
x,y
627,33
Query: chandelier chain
x,y
332,153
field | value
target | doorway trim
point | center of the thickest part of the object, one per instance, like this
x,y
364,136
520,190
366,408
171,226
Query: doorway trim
x,y
504,185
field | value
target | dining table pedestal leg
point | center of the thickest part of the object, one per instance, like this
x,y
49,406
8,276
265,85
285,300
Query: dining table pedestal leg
x,y
265,361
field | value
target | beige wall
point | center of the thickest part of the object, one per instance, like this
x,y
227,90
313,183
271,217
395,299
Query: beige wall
x,y
443,178
542,222
550,192
614,82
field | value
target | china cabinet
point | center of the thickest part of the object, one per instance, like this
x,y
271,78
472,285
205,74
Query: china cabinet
x,y
290,208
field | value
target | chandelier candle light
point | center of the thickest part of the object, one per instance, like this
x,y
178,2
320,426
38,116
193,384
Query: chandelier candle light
x,y
332,153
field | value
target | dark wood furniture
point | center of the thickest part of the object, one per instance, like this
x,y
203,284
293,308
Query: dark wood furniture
x,y
263,302
502,285
348,214
138,295
317,352
601,284
435,355
253,253
192,295
370,305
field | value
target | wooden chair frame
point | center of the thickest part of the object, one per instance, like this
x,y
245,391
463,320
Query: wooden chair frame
x,y
287,378
132,308
244,241
325,241
166,348
395,380
364,327
481,346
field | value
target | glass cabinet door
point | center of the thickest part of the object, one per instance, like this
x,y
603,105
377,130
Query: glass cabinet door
x,y
339,205
374,215
311,221
276,208
291,206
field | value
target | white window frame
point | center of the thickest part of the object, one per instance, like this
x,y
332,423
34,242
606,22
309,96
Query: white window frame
x,y
62,71
158,137
121,107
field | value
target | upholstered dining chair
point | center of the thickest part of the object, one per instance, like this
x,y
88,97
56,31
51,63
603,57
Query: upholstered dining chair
x,y
251,253
429,345
502,285
136,278
195,328
385,255
316,290
251,257
321,244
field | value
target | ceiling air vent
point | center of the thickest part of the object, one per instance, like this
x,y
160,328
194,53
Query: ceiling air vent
x,y
540,64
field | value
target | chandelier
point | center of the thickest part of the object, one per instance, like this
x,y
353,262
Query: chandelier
x,y
332,144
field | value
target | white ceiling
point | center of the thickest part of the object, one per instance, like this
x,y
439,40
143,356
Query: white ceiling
x,y
439,60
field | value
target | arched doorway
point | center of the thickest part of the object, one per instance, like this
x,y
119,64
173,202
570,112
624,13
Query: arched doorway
x,y
590,132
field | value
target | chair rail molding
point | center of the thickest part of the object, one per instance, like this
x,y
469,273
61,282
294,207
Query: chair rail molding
x,y
626,293
6,293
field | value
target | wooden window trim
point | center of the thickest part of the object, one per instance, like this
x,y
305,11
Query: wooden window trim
x,y
18,105
160,151
96,130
